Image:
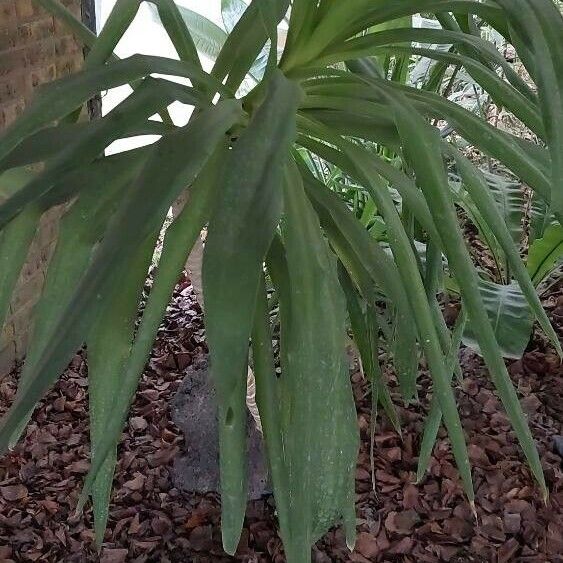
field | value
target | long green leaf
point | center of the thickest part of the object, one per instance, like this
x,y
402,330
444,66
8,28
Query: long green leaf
x,y
47,143
140,213
246,215
208,37
367,347
510,317
365,259
52,102
137,108
501,92
539,25
432,178
525,161
267,399
178,242
428,332
368,44
432,424
320,443
383,11
397,179
244,44
231,12
540,217
510,200
122,16
300,26
60,11
545,253
109,345
15,240
477,187
79,230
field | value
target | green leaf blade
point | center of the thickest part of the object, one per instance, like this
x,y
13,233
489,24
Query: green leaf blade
x,y
248,213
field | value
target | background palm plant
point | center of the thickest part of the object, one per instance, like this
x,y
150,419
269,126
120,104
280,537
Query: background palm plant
x,y
337,96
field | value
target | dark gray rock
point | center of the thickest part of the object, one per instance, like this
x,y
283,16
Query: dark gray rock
x,y
558,445
194,410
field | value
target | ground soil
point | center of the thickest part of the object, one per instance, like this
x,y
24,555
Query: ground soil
x,y
150,520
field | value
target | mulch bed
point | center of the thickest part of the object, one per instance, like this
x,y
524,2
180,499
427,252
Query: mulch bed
x,y
150,520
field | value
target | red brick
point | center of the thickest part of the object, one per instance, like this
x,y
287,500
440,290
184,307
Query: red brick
x,y
34,49
27,10
65,46
74,7
40,53
40,75
10,111
12,62
9,37
8,15
9,88
36,31
68,65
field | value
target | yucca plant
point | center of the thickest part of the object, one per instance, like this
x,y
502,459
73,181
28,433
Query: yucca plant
x,y
240,164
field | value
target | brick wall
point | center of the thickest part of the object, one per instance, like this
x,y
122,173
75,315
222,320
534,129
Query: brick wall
x,y
34,48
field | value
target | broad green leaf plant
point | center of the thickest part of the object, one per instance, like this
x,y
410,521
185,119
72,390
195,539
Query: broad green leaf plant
x,y
243,160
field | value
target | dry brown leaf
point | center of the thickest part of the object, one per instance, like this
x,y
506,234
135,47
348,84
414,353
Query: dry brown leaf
x,y
13,492
114,555
367,545
135,484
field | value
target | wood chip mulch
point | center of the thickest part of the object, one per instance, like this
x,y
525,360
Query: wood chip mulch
x,y
150,520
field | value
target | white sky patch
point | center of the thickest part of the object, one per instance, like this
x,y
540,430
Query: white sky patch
x,y
146,36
